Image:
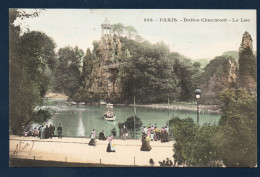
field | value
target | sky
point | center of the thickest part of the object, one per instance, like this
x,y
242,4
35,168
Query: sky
x,y
195,40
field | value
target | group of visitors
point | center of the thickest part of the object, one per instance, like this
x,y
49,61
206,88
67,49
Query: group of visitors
x,y
164,163
92,142
46,132
43,132
153,133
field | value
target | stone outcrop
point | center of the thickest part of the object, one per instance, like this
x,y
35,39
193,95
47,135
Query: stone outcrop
x,y
105,73
247,64
220,74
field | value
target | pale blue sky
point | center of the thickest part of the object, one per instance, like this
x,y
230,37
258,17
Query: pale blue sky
x,y
71,27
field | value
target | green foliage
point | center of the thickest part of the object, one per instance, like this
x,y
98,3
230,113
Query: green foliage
x,y
203,62
87,69
67,73
194,143
189,78
129,123
197,65
218,66
248,64
41,116
233,54
118,29
237,133
148,73
30,55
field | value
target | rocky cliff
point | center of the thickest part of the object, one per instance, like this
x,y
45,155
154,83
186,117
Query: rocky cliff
x,y
220,74
247,64
104,76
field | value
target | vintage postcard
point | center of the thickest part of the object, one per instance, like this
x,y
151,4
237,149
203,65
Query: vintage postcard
x,y
132,88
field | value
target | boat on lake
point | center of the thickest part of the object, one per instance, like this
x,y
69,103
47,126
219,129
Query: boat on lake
x,y
109,115
101,102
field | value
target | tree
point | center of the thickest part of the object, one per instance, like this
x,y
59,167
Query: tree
x,y
188,78
30,55
129,123
148,73
118,29
130,30
194,144
67,73
237,132
247,69
87,69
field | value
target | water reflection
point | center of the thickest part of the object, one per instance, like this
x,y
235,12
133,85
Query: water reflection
x,y
79,120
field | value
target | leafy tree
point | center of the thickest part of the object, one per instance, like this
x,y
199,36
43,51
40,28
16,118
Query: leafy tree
x,y
129,123
147,74
30,55
233,54
188,78
237,132
87,69
67,73
197,64
247,67
118,29
194,143
130,30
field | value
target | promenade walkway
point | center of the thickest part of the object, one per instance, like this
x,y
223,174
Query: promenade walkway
x,y
77,150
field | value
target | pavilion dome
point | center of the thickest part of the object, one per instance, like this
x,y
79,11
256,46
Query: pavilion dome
x,y
106,23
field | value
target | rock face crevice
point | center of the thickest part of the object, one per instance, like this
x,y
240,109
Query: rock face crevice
x,y
224,76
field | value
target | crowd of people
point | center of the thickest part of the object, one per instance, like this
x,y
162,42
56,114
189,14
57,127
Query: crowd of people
x,y
154,133
163,163
43,132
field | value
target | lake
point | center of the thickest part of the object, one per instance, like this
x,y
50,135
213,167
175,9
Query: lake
x,y
79,120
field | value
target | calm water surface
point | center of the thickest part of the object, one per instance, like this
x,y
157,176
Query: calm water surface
x,y
79,120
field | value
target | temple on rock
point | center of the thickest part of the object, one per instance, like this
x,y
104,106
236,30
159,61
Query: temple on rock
x,y
104,78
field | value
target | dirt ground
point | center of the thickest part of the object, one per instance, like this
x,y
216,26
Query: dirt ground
x,y
77,150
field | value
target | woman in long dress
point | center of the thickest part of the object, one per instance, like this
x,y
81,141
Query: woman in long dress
x,y
145,144
110,147
93,138
125,133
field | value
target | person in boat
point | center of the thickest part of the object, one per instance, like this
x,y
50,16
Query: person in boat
x,y
125,132
110,147
92,141
102,135
145,144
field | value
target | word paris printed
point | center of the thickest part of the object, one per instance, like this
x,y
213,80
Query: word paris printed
x,y
132,88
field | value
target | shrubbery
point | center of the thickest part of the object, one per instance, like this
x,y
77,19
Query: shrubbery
x,y
194,143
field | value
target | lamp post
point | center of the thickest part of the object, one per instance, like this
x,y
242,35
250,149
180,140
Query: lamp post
x,y
197,94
